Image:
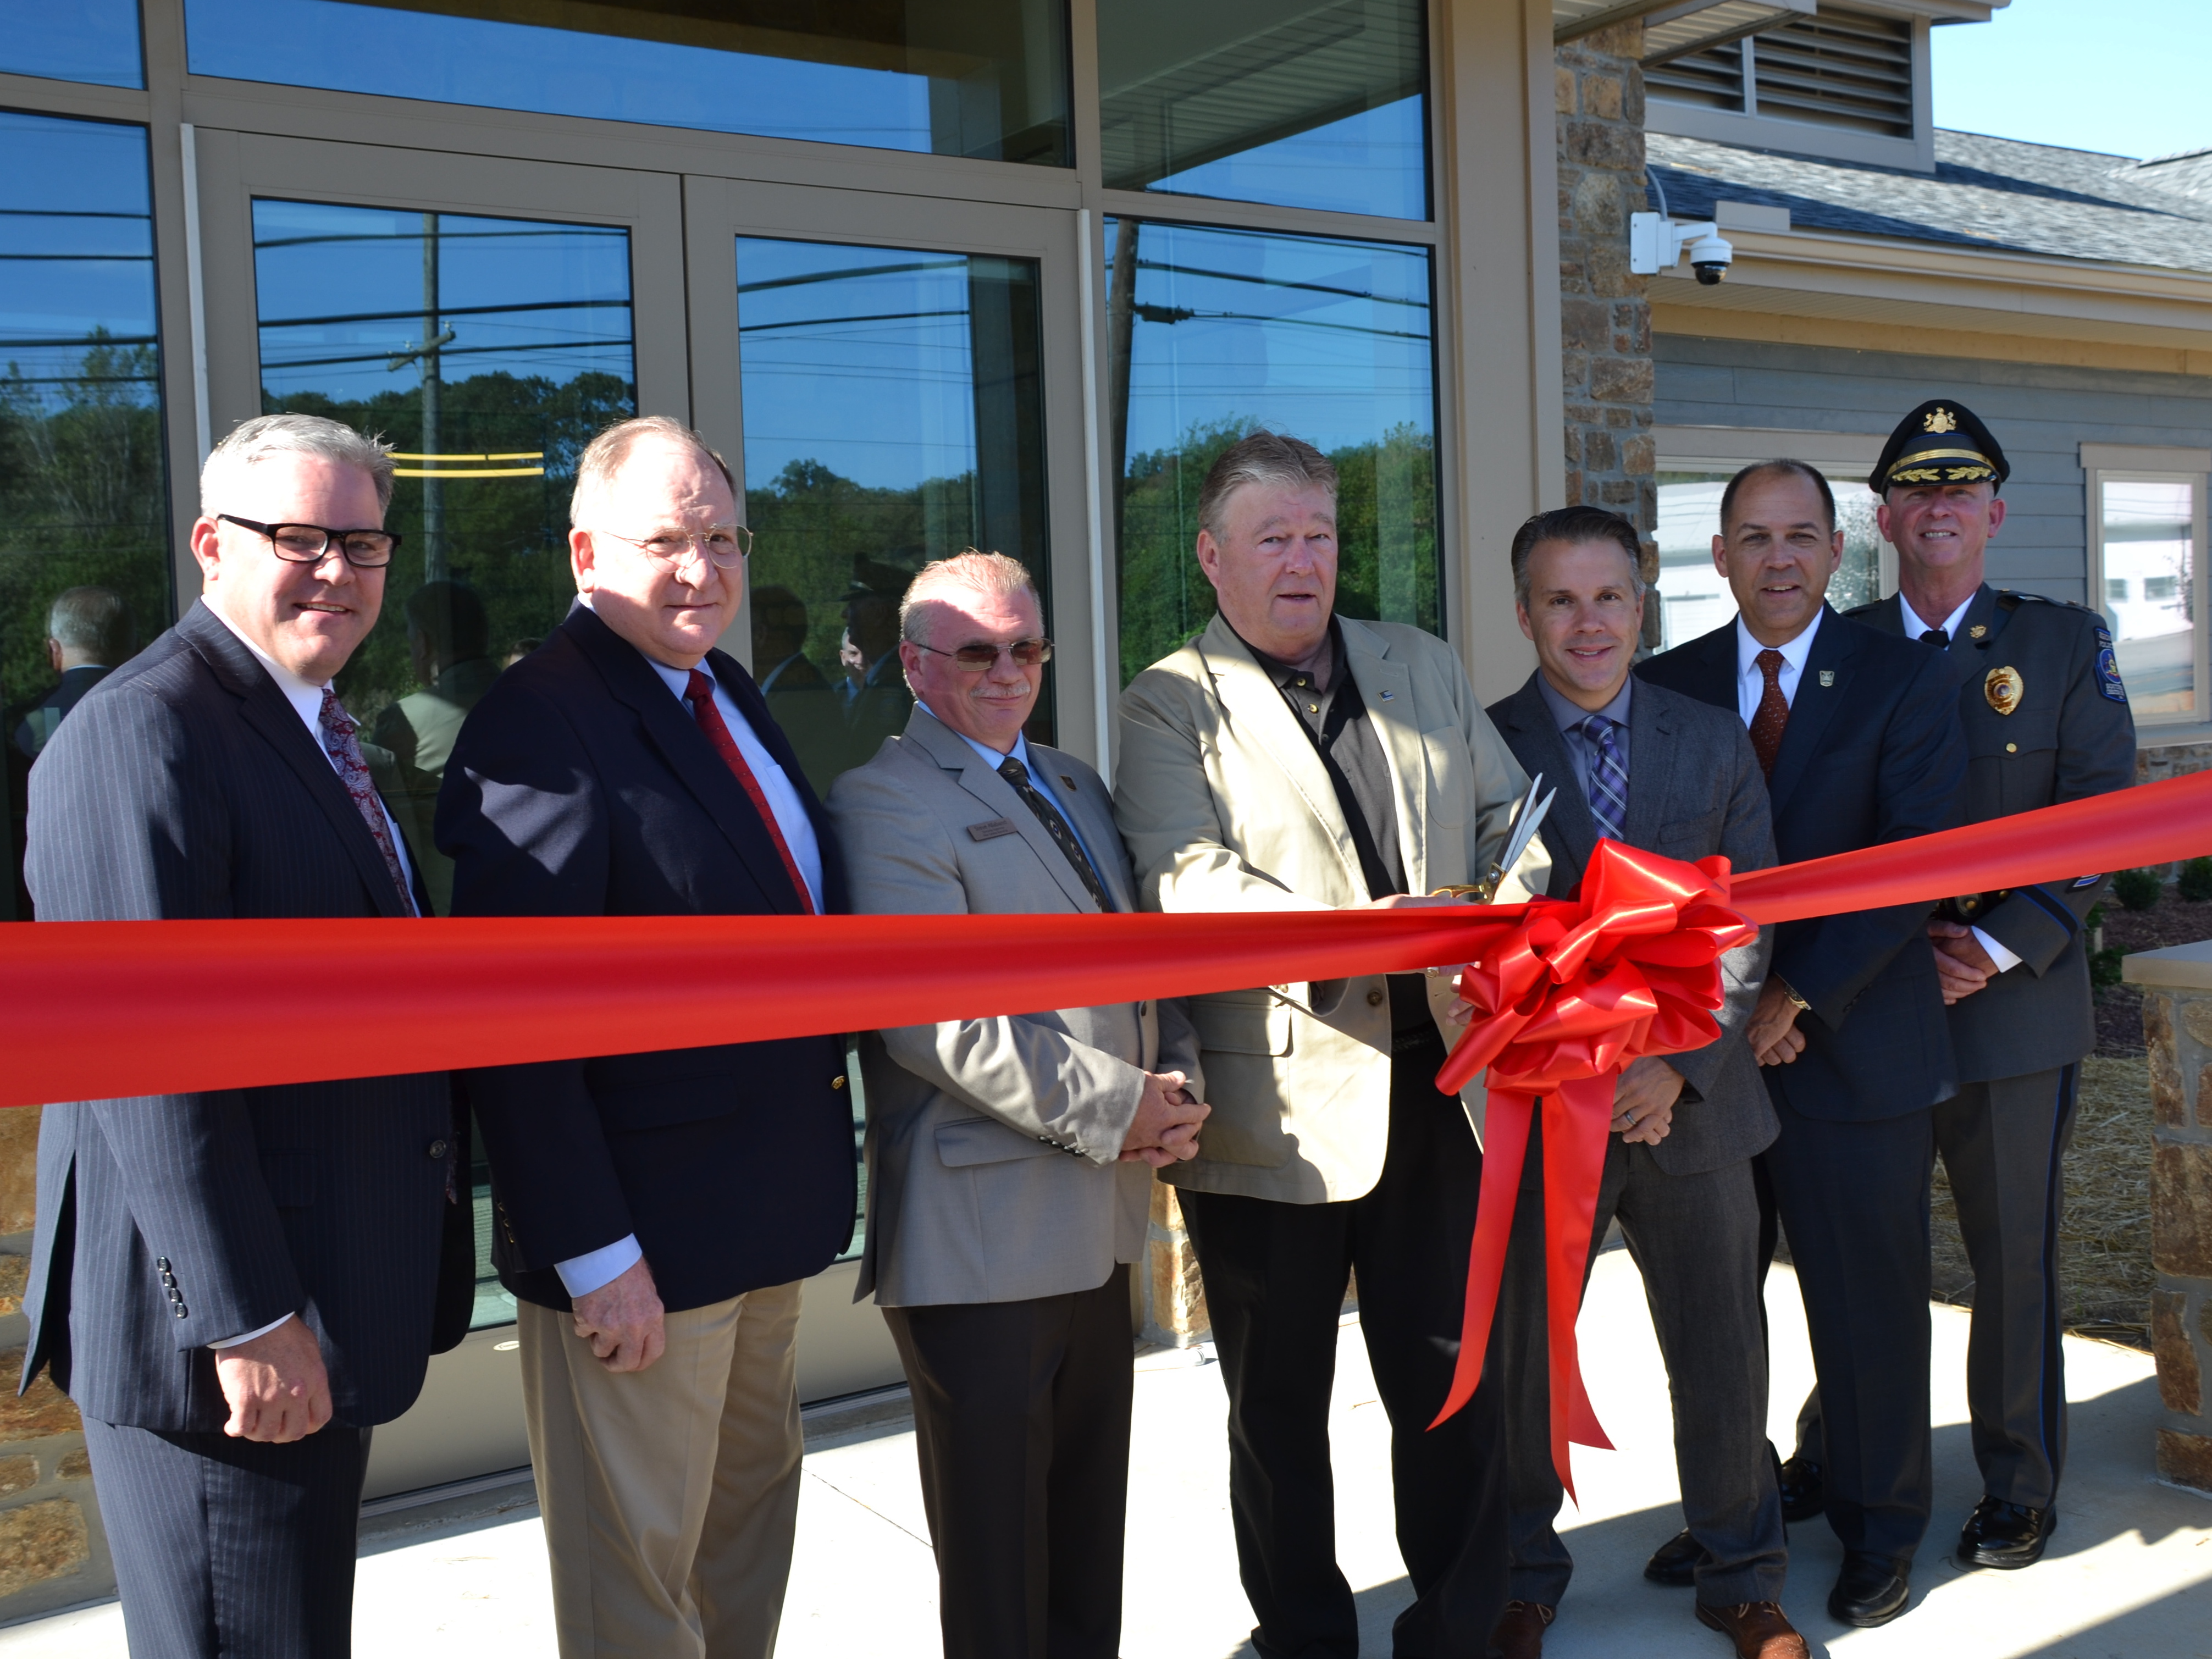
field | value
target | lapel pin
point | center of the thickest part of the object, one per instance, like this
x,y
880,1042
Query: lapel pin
x,y
1387,696
1827,677
1977,630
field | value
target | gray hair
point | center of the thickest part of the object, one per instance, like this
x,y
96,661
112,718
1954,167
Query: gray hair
x,y
1574,526
991,575
91,619
292,435
604,455
1269,457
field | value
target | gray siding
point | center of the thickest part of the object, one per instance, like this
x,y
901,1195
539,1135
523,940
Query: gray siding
x,y
2039,413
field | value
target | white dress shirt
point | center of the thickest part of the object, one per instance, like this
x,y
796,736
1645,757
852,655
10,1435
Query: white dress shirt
x,y
1914,628
1751,680
306,702
596,1269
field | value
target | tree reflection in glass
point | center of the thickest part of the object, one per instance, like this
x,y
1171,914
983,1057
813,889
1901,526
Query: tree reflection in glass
x,y
487,352
83,500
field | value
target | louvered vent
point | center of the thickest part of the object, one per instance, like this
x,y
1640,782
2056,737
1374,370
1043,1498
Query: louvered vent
x,y
1845,68
1713,77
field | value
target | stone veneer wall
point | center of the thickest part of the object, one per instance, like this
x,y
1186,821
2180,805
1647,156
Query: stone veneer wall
x,y
2177,1032
1605,320
52,1552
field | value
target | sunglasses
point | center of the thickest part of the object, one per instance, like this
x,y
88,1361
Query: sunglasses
x,y
1026,654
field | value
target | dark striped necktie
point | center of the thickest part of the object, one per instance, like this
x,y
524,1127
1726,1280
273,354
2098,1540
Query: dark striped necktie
x,y
1063,838
1608,778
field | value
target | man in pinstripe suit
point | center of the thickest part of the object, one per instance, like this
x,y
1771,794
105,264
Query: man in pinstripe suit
x,y
235,1285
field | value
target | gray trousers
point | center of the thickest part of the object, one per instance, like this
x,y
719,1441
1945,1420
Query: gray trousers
x,y
2004,1145
1695,1239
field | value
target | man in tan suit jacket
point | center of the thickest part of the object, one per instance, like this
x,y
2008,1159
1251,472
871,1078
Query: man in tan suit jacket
x,y
1288,758
1010,1159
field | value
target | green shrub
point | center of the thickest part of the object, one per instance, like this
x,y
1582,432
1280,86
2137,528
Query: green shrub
x,y
2104,966
2196,882
2137,889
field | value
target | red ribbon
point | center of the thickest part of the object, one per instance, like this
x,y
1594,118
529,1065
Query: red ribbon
x,y
1629,966
1570,990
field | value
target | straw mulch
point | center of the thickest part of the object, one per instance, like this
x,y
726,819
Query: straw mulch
x,y
2104,1260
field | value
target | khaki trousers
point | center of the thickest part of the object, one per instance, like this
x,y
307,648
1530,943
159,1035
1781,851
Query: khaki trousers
x,y
670,1495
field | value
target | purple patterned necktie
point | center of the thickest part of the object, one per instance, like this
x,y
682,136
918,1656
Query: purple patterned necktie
x,y
1608,778
345,747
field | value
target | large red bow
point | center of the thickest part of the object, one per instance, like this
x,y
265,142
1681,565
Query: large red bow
x,y
1629,966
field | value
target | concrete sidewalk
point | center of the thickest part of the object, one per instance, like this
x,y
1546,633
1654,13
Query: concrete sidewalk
x,y
2130,1572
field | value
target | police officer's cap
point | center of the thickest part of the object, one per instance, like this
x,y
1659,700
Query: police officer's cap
x,y
1941,443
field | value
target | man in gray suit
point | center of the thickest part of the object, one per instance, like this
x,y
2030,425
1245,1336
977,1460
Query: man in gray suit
x,y
1010,1159
1648,768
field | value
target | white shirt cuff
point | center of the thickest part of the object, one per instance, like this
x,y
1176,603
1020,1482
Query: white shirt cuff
x,y
2004,959
233,1341
582,1274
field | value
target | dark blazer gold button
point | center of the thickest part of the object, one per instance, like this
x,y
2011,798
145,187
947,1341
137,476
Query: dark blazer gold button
x,y
438,1149
1374,998
2012,749
838,1081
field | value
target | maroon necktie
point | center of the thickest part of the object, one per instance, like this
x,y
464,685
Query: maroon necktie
x,y
700,692
343,748
1773,712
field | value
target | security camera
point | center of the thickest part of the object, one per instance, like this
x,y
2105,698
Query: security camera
x,y
1710,257
1656,243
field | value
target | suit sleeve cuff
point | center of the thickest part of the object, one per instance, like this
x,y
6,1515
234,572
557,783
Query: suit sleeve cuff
x,y
235,1341
2006,960
596,1269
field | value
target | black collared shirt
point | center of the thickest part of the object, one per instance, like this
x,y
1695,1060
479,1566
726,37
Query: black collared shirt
x,y
1335,721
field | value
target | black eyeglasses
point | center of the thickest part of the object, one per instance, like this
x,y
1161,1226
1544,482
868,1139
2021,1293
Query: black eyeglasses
x,y
1026,654
310,544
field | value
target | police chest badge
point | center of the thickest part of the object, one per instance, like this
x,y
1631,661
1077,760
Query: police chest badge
x,y
2003,687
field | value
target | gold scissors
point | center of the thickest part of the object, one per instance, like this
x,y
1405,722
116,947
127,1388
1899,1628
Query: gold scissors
x,y
1526,823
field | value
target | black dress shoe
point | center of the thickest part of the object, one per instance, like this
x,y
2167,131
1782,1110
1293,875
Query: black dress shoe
x,y
1676,1561
1804,1494
1870,1590
2006,1535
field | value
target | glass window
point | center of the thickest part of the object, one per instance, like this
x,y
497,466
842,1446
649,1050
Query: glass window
x,y
2147,531
1281,102
893,415
95,40
1694,597
982,78
84,537
893,410
487,352
1214,334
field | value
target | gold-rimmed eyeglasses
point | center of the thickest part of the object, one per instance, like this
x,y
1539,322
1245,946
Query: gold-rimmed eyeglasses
x,y
726,546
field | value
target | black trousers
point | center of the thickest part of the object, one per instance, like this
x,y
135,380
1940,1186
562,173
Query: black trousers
x,y
1021,1415
1853,1198
1695,1239
2004,1145
1275,1277
231,1547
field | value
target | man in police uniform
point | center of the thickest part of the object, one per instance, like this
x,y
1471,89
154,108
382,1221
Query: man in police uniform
x,y
2046,720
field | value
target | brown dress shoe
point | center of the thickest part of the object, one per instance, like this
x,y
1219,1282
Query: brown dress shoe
x,y
1520,1632
1757,1629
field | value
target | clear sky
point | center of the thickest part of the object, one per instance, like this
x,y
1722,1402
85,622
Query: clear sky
x,y
2127,76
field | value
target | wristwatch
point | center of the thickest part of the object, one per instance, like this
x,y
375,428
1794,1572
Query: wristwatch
x,y
1797,1001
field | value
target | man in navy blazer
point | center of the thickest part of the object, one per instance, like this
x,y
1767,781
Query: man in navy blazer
x,y
656,1211
1858,734
234,1286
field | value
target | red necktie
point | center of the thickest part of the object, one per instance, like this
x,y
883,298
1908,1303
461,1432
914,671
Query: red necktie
x,y
700,692
1773,712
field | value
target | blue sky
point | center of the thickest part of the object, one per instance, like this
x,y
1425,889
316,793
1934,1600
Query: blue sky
x,y
2127,76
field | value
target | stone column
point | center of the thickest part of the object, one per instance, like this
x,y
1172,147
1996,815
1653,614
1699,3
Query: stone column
x,y
1174,1300
52,1552
1604,319
2177,1032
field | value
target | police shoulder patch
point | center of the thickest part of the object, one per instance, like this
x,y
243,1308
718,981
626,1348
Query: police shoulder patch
x,y
2108,666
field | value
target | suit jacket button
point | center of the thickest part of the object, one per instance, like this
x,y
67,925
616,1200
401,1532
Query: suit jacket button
x,y
1374,998
838,1081
439,1149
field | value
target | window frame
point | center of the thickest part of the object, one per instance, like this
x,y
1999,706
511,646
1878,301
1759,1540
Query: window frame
x,y
2107,464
